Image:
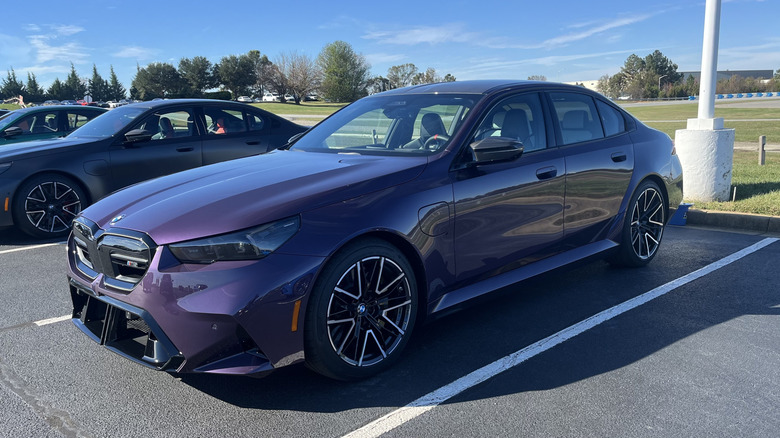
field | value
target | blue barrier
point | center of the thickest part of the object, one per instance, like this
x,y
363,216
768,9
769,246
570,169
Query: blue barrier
x,y
720,96
730,96
739,95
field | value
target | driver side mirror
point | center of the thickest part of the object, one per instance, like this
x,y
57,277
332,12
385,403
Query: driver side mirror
x,y
12,131
137,136
496,150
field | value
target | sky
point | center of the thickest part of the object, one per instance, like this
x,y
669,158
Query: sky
x,y
563,40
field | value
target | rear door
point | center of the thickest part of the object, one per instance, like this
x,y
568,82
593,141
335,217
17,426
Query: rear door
x,y
599,158
233,132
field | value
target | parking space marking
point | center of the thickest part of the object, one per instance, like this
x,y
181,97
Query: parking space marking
x,y
429,401
52,320
8,251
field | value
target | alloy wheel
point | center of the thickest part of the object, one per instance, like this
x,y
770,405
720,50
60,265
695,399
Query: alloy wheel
x,y
647,223
51,206
369,311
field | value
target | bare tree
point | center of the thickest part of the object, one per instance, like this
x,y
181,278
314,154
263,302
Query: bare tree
x,y
278,80
401,75
303,76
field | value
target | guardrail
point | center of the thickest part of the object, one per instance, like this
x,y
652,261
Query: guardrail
x,y
741,95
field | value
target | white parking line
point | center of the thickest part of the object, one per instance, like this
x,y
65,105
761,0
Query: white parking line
x,y
52,320
428,402
8,251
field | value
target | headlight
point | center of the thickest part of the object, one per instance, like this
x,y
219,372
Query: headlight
x,y
250,244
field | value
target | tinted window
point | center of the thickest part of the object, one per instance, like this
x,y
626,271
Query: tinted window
x,y
168,124
518,117
39,123
577,117
256,123
225,122
611,119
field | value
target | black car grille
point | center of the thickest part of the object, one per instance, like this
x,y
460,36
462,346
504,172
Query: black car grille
x,y
122,256
124,329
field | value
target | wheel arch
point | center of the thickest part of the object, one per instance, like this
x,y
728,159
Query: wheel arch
x,y
67,175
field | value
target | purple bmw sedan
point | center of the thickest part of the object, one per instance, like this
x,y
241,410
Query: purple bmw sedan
x,y
401,205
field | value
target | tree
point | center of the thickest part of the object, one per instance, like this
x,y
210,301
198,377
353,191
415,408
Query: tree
x,y
98,87
428,77
158,79
57,90
401,75
537,78
263,70
115,90
199,74
345,74
278,80
11,87
303,75
74,88
35,93
378,84
448,78
236,74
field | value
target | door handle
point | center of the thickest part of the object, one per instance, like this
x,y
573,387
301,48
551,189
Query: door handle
x,y
546,172
185,149
619,157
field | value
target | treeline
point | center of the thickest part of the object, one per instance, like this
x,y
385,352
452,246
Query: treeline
x,y
656,76
338,74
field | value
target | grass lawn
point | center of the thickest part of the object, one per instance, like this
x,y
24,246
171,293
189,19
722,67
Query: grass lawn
x,y
758,187
304,109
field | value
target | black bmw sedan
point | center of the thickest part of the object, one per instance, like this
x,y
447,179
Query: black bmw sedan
x,y
45,184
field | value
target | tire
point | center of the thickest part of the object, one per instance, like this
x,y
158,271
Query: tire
x,y
643,228
362,311
45,205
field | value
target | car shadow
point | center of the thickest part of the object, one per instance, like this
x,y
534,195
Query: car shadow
x,y
453,346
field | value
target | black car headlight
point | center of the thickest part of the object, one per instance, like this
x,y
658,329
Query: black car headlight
x,y
249,244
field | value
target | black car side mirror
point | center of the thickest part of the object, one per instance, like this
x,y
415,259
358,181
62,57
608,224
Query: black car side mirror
x,y
137,136
496,150
12,131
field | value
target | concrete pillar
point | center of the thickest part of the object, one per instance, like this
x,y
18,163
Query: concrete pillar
x,y
705,148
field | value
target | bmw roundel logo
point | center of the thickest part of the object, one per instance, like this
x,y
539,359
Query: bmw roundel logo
x,y
117,219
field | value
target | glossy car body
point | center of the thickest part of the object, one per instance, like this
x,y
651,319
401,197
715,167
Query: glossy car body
x,y
45,184
44,122
330,251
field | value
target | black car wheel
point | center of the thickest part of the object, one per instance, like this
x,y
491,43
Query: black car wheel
x,y
643,228
362,312
45,205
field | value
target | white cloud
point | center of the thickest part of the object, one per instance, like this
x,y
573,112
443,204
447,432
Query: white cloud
x,y
380,58
31,27
69,52
67,29
135,52
423,35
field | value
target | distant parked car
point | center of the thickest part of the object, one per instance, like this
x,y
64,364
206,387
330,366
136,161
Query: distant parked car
x,y
270,97
289,98
45,184
69,102
44,122
244,99
52,102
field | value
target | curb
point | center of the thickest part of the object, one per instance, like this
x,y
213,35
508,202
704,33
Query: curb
x,y
741,221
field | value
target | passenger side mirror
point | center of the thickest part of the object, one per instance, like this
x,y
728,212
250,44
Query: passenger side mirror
x,y
496,150
137,136
12,131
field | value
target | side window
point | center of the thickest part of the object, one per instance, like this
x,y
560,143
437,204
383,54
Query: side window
x,y
224,122
518,117
256,123
77,119
168,124
577,117
40,123
613,121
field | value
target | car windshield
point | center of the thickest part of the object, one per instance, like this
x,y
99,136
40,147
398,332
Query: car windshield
x,y
393,124
108,123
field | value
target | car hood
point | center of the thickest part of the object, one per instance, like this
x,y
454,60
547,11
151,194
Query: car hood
x,y
21,149
242,193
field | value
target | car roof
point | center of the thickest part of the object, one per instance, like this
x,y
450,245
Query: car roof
x,y
166,102
478,87
31,109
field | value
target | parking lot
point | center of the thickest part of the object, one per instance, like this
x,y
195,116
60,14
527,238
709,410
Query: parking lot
x,y
701,357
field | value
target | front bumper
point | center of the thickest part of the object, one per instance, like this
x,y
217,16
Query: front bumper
x,y
228,317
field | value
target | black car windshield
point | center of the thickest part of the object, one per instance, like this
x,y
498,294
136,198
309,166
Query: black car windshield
x,y
108,123
407,124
